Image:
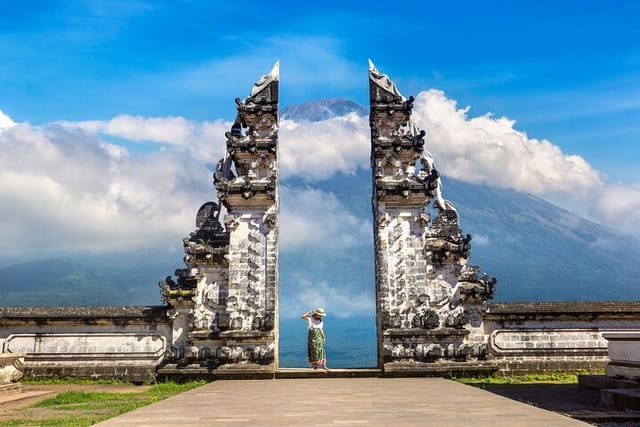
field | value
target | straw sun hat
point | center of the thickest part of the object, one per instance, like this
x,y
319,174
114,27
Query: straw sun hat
x,y
319,312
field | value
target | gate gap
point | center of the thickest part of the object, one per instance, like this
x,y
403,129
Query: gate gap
x,y
333,269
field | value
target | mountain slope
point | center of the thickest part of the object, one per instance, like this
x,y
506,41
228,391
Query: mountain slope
x,y
86,280
537,251
314,111
541,252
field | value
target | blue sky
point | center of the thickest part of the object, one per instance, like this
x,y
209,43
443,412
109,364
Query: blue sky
x,y
112,112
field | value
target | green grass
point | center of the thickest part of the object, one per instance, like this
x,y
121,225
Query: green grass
x,y
555,377
80,408
70,380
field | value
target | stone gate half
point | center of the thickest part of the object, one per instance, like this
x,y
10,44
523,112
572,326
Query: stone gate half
x,y
429,302
224,304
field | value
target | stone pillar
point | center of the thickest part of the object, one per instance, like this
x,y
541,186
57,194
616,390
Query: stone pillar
x,y
228,292
429,302
11,370
624,354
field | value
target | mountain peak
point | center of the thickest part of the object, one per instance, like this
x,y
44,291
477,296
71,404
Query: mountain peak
x,y
315,111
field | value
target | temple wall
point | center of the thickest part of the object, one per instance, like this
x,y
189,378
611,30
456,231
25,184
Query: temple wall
x,y
127,343
134,343
546,337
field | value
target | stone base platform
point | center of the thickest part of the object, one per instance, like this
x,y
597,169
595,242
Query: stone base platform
x,y
391,370
439,369
621,398
615,392
600,382
341,401
195,371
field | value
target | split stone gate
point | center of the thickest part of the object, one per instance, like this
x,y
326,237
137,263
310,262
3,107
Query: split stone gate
x,y
429,302
220,317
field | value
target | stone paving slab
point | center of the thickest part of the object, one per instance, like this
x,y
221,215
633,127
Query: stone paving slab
x,y
340,401
12,397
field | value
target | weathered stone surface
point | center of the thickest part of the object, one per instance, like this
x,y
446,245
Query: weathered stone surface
x,y
621,398
553,336
624,352
423,281
95,342
11,368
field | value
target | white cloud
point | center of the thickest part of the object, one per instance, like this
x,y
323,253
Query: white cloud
x,y
67,190
317,150
67,186
619,205
481,239
172,130
489,150
339,302
478,150
204,140
315,218
5,121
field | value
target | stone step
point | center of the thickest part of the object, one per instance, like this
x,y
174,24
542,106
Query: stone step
x,y
10,388
600,382
290,373
170,371
621,398
22,395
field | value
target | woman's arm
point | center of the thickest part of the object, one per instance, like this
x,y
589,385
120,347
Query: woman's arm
x,y
307,314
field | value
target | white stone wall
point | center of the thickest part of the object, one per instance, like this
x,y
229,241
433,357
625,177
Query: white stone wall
x,y
97,342
547,337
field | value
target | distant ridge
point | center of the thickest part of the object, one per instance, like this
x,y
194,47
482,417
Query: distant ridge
x,y
315,111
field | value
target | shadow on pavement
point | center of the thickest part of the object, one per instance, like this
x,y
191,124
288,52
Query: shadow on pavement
x,y
567,399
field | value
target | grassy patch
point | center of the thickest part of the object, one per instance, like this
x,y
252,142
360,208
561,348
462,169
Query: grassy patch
x,y
556,377
70,380
82,408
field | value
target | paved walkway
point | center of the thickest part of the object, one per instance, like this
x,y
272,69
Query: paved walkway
x,y
340,401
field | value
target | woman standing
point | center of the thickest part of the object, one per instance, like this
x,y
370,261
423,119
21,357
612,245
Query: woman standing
x,y
316,339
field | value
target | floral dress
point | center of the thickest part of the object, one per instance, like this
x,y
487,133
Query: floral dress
x,y
315,343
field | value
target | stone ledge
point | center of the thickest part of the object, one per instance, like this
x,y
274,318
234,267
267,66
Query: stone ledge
x,y
438,369
292,373
120,315
253,372
10,388
415,332
572,308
